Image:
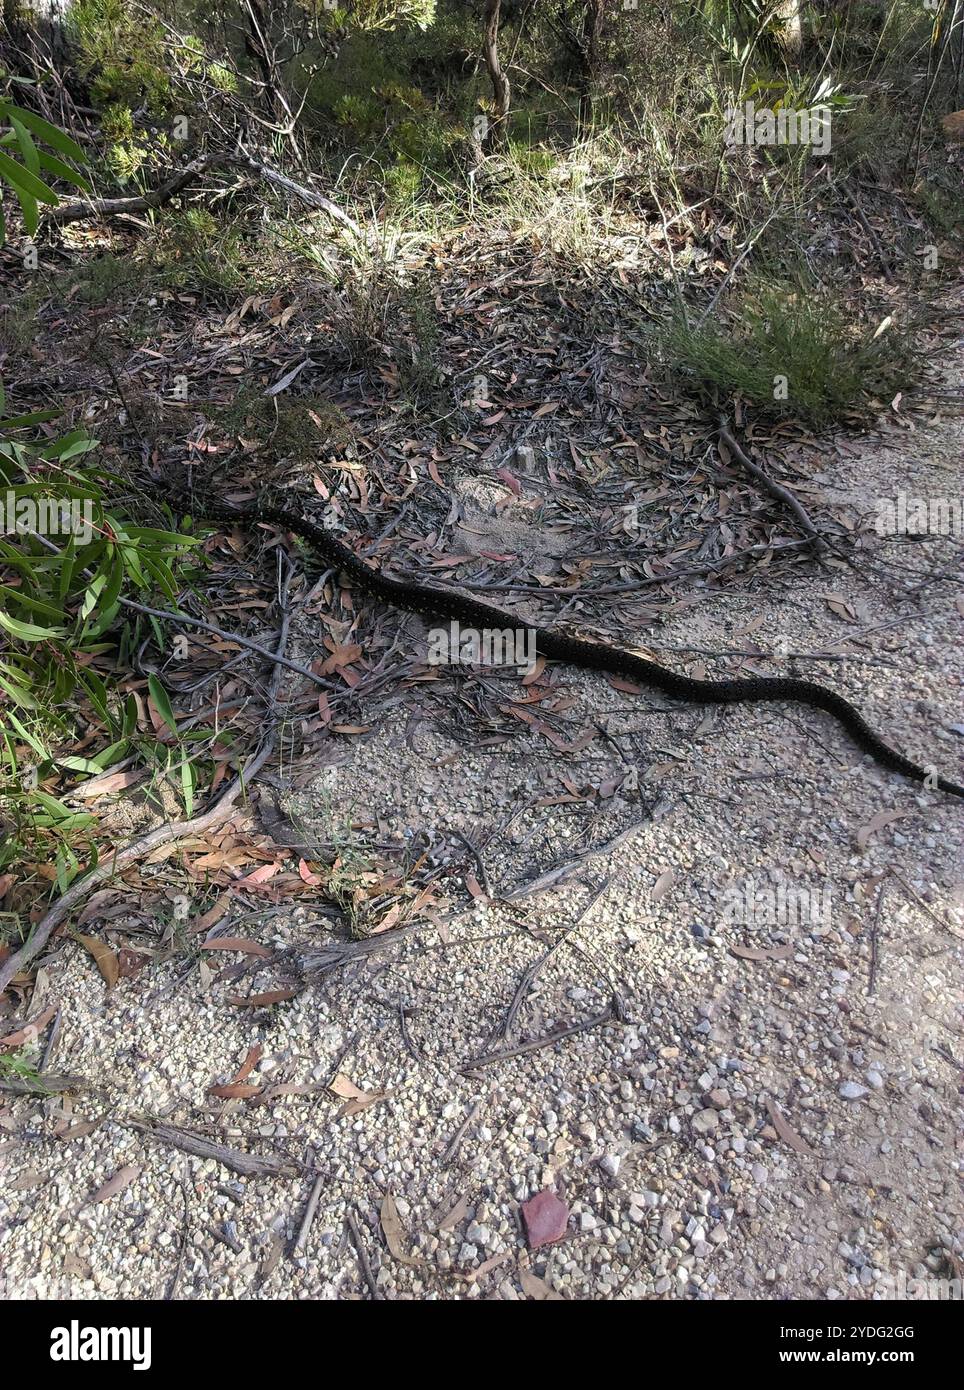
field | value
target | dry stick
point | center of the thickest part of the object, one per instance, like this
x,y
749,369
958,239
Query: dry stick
x,y
875,942
775,489
530,975
301,1239
488,1058
184,619
307,195
733,269
921,903
459,1135
362,1253
644,581
163,835
882,256
112,207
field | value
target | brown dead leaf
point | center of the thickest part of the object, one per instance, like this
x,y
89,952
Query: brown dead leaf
x,y
394,1232
115,781
307,876
236,943
626,687
839,605
876,823
663,884
786,1132
452,1218
80,1130
262,1001
213,914
356,1100
762,952
535,1288
107,961
30,1031
121,1179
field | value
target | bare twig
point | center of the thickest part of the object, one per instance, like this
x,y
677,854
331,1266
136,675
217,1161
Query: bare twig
x,y
307,195
875,942
775,489
112,207
309,1216
362,1253
185,620
535,1044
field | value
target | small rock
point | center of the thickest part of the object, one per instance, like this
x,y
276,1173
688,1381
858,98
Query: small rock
x,y
546,1217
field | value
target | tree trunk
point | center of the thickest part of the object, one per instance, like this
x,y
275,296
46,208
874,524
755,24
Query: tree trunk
x,y
789,30
591,29
499,124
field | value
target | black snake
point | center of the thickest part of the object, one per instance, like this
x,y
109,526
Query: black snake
x,y
439,603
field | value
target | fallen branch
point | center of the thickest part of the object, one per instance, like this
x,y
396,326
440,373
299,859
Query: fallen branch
x,y
307,195
44,1084
114,207
775,489
247,1165
487,1058
185,620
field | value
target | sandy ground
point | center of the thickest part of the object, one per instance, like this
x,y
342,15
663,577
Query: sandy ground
x,y
760,1099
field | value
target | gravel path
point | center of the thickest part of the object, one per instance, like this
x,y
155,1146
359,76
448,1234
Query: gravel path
x,y
761,929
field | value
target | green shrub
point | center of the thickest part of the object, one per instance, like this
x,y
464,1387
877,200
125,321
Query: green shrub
x,y
122,53
62,579
791,351
191,250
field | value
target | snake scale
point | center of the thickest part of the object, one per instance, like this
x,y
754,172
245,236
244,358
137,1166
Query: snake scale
x,y
440,603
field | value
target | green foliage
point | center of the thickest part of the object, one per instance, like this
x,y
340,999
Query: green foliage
x,y
122,54
27,167
66,561
941,200
192,250
21,1067
780,331
294,426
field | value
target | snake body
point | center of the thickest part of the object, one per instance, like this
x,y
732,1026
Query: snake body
x,y
440,603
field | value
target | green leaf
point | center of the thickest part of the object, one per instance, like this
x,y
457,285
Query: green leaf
x,y
20,697
28,149
36,605
188,782
27,632
29,207
56,166
19,422
162,703
19,177
50,134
